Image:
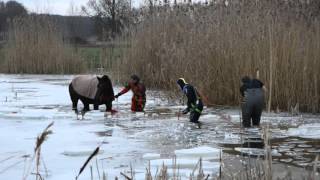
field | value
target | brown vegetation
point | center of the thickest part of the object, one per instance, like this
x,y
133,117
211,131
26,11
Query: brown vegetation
x,y
36,46
214,45
37,155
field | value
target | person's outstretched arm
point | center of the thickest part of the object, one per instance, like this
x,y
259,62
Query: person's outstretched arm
x,y
123,91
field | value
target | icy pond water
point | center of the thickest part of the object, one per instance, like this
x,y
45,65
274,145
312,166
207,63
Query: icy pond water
x,y
30,102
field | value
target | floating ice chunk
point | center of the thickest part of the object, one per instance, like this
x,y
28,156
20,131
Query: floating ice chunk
x,y
302,163
314,150
95,114
235,117
278,133
253,130
257,151
75,153
140,114
282,150
228,136
210,116
204,152
229,143
288,160
309,131
293,153
304,146
150,156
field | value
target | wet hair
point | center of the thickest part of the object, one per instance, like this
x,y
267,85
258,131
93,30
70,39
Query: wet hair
x,y
135,77
245,79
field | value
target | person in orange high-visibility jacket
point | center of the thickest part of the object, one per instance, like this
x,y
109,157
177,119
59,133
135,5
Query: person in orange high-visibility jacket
x,y
138,89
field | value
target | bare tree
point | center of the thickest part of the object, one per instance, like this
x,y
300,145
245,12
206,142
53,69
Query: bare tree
x,y
10,10
111,15
73,9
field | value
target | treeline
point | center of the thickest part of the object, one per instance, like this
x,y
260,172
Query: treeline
x,y
42,43
98,26
75,29
213,45
10,10
33,43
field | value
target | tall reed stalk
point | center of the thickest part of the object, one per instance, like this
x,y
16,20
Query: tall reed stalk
x,y
212,46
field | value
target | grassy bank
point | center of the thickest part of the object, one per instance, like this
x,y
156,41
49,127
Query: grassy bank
x,y
213,46
77,59
103,56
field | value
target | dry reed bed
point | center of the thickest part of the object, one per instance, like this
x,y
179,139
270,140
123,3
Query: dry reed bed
x,y
213,46
35,45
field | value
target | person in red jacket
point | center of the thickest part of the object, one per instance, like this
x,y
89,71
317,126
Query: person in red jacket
x,y
139,93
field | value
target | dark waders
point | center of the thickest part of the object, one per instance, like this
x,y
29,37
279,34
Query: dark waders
x,y
252,107
195,111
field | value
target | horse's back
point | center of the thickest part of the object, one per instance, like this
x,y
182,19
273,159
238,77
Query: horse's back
x,y
85,85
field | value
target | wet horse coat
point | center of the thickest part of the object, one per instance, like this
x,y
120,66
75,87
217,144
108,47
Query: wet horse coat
x,y
91,90
86,86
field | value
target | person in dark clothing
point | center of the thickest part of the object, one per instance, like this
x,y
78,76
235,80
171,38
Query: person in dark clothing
x,y
194,104
138,89
252,91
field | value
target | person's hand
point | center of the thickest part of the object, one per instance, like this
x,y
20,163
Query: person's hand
x,y
116,96
185,111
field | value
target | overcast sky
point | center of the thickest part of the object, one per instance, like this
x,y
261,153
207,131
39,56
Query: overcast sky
x,y
61,7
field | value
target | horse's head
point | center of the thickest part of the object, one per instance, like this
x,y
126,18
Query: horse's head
x,y
105,89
